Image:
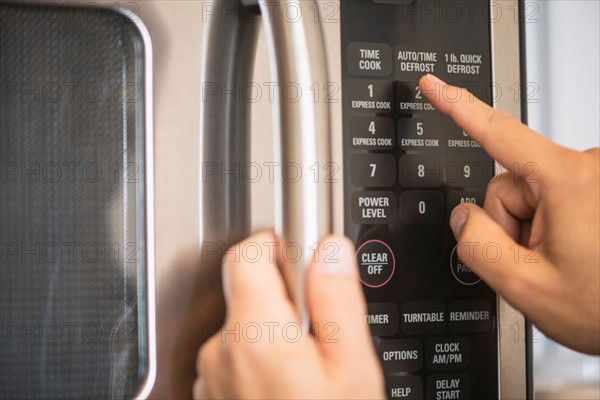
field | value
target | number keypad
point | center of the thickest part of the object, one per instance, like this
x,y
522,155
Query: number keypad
x,y
406,167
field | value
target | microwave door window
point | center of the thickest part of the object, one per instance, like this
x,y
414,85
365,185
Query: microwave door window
x,y
72,212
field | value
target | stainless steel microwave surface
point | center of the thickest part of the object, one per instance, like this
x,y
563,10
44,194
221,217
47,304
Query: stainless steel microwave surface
x,y
189,300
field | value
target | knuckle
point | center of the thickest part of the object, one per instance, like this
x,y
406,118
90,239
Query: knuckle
x,y
495,184
198,389
579,171
230,258
243,358
492,116
515,286
499,121
498,187
255,249
244,341
234,357
588,171
511,287
207,356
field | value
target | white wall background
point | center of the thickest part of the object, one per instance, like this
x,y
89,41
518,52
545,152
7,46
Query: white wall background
x,y
563,57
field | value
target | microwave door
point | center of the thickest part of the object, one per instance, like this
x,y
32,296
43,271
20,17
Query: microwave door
x,y
76,203
207,192
194,308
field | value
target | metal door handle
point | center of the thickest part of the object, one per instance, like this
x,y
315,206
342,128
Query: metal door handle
x,y
301,128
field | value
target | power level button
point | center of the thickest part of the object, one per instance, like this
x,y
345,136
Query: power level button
x,y
376,263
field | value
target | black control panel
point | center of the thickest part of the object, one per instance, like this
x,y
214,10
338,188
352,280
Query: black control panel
x,y
434,322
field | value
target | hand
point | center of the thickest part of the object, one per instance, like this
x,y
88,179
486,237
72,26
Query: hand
x,y
543,215
260,352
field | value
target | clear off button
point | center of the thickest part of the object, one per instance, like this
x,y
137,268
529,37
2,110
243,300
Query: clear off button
x,y
370,59
376,263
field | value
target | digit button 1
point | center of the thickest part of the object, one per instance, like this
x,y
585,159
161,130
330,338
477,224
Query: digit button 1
x,y
373,96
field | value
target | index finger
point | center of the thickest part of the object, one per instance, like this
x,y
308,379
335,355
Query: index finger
x,y
504,138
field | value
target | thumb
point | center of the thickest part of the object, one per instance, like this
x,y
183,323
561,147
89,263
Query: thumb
x,y
336,302
512,270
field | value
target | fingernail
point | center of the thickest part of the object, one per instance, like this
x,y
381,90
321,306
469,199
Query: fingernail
x,y
457,220
336,257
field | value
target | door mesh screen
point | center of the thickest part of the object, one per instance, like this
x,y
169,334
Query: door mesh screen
x,y
71,203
